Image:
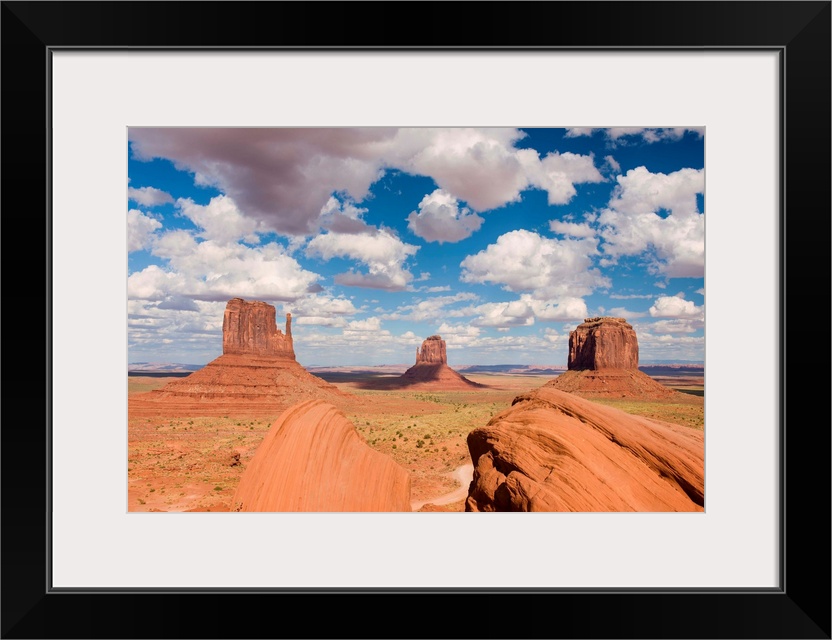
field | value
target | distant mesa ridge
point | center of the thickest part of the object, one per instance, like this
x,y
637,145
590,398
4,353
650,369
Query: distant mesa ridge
x,y
431,370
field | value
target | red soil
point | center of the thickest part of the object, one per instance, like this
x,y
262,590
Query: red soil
x,y
615,383
233,384
435,376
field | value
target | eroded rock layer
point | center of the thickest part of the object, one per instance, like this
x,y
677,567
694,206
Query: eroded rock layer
x,y
313,459
553,451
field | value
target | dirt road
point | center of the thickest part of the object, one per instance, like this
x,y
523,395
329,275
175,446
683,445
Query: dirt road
x,y
463,475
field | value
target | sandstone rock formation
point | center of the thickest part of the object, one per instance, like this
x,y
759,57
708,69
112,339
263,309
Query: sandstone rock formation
x,y
433,351
431,370
603,343
313,459
249,328
258,366
603,362
554,451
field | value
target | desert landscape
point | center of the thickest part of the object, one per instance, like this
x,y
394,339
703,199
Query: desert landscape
x,y
428,439
415,319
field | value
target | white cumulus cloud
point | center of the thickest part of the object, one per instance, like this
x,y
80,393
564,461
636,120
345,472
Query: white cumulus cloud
x,y
522,312
458,335
557,173
220,220
379,250
285,177
371,325
343,217
140,228
574,229
658,214
515,313
563,309
440,219
522,260
211,271
479,166
675,307
321,309
148,196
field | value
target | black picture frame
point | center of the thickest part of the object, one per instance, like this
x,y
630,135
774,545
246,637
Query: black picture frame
x,y
799,608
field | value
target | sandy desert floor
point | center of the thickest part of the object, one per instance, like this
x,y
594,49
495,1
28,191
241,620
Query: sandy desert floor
x,y
192,458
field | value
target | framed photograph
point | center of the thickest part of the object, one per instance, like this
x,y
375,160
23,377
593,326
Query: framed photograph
x,y
355,247
99,94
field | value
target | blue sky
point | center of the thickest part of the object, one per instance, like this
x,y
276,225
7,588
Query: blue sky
x,y
500,240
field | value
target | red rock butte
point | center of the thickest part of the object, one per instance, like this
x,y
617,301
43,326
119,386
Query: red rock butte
x,y
431,370
313,459
603,362
257,366
603,343
554,451
249,328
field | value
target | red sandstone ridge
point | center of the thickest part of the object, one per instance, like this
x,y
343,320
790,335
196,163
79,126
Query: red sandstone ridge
x,y
257,365
431,370
603,362
312,459
553,451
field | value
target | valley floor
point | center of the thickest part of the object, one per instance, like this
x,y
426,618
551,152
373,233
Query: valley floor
x,y
192,458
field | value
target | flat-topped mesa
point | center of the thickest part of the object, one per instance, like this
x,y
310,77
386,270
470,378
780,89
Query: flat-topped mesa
x,y
433,351
603,343
249,328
